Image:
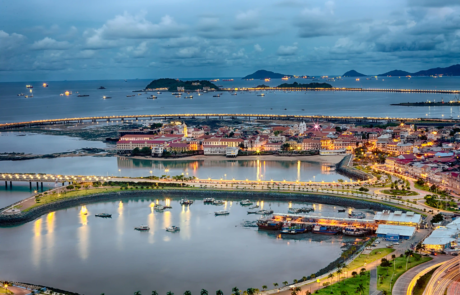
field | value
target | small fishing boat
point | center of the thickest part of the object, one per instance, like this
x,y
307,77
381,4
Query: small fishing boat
x,y
218,202
254,207
106,97
159,207
246,202
186,202
208,200
318,229
269,224
355,232
173,229
221,212
265,212
152,97
217,95
356,215
252,212
142,228
103,215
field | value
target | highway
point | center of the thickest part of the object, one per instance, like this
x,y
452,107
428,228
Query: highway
x,y
443,277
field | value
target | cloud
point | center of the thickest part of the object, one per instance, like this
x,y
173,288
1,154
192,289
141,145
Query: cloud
x,y
246,20
188,52
129,26
433,3
141,50
257,48
50,44
10,41
287,50
289,3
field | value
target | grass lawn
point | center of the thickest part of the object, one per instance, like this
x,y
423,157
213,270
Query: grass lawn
x,y
385,273
362,259
422,282
348,285
3,291
399,192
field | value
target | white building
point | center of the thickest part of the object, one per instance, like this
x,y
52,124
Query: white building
x,y
232,152
215,150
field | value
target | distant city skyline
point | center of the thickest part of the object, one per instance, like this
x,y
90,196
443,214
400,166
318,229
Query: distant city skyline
x,y
55,40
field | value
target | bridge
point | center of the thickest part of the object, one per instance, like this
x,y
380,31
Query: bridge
x,y
436,91
41,178
219,116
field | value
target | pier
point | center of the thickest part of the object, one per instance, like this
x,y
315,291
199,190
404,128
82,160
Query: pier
x,y
344,89
327,221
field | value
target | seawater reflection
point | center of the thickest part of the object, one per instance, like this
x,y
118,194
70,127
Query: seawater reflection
x,y
209,252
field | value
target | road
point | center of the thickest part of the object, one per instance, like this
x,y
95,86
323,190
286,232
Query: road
x,y
443,277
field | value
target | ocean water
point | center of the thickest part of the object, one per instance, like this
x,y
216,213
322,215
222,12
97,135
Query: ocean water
x,y
47,102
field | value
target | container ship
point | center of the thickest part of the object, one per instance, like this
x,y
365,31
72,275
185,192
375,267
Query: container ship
x,y
318,229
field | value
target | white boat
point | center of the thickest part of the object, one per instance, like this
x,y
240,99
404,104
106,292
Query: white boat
x,y
173,229
262,94
246,202
186,202
218,202
264,212
142,228
208,200
221,212
254,207
159,207
357,215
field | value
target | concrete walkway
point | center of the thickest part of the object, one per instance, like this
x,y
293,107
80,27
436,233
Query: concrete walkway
x,y
404,281
373,281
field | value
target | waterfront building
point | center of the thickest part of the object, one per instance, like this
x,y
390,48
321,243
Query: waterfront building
x,y
395,233
398,218
231,152
444,237
214,150
309,144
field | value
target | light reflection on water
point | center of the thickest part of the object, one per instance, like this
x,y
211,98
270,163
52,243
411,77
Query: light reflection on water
x,y
209,252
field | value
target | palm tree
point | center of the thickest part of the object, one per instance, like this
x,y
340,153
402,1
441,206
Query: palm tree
x,y
304,278
137,293
219,292
264,287
285,283
330,276
187,292
360,289
154,293
250,291
295,281
339,272
275,285
203,292
169,293
236,291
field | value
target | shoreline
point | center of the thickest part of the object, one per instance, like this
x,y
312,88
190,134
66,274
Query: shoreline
x,y
37,212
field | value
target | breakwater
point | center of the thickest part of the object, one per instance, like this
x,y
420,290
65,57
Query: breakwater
x,y
344,168
34,213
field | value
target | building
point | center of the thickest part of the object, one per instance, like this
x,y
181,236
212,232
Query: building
x,y
309,144
178,147
214,150
395,233
398,218
231,152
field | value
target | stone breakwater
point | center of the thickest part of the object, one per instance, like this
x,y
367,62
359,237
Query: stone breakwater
x,y
344,168
34,213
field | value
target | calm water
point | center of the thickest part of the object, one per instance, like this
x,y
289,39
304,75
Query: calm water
x,y
108,255
30,143
209,168
47,103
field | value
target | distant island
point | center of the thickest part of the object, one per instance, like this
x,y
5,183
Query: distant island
x,y
173,84
448,71
353,73
310,85
263,74
262,86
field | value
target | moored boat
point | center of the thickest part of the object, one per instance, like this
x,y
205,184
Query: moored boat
x,y
208,200
103,215
142,228
356,215
265,212
186,202
355,232
269,224
246,202
218,202
341,210
173,229
318,229
221,212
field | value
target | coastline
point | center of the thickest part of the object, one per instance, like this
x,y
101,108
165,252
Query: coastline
x,y
315,158
25,217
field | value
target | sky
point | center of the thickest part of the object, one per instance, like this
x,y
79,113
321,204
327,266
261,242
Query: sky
x,y
94,39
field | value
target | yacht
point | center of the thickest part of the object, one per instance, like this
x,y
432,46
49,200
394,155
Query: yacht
x,y
264,212
221,212
186,202
142,228
254,207
218,202
173,229
208,200
159,207
246,202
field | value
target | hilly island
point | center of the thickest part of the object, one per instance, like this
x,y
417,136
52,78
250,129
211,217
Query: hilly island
x,y
172,84
263,74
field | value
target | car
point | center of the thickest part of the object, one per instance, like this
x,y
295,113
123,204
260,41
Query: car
x,y
454,254
397,243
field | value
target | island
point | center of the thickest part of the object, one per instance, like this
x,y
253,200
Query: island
x,y
396,73
353,73
262,86
263,74
175,85
428,103
300,85
453,70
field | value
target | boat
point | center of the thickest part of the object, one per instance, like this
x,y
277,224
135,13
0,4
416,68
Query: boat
x,y
45,85
357,215
103,215
186,202
269,224
227,80
261,94
21,94
234,93
341,210
252,212
158,92
208,200
293,229
173,229
82,95
305,209
142,228
176,93
130,95
152,97
29,86
254,207
355,232
190,96
221,212
218,202
265,212
246,202
318,229
139,94
217,95
159,207
106,97
102,87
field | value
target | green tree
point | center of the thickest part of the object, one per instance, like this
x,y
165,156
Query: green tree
x,y
285,283
203,292
250,291
187,292
154,293
264,287
137,293
169,293
304,278
354,274
330,276
236,291
360,289
219,292
275,285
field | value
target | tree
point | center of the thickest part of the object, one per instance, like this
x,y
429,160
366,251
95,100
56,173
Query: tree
x,y
187,292
385,263
295,290
339,272
236,291
139,293
285,283
304,278
203,292
437,218
275,285
360,289
219,292
285,146
169,293
264,287
362,272
354,274
295,281
154,293
330,276
250,291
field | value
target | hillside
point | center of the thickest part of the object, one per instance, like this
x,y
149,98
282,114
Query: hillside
x,y
172,84
353,73
310,85
396,73
263,74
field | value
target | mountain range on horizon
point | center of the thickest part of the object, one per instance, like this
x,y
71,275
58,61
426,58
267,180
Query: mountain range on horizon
x,y
453,70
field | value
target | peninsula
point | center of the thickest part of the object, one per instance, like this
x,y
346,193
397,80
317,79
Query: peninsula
x,y
263,74
309,85
175,84
428,103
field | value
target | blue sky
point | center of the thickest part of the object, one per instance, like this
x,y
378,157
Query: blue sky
x,y
84,39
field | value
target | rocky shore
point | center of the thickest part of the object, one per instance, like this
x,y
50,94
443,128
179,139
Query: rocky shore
x,y
24,217
84,152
